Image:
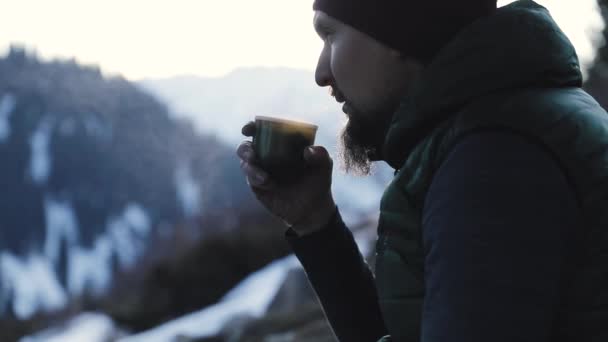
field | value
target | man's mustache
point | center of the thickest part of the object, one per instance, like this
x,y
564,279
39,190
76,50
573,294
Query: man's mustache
x,y
336,93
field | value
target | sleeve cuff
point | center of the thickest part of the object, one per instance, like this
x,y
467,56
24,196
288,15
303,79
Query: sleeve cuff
x,y
334,221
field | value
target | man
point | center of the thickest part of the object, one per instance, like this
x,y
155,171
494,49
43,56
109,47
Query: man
x,y
495,227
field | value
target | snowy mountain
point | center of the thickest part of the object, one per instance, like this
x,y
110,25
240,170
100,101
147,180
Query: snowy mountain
x,y
97,173
221,106
93,170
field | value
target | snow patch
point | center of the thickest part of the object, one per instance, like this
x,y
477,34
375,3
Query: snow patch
x,y
137,218
251,297
61,224
188,190
32,284
40,161
128,232
29,285
7,106
90,269
89,327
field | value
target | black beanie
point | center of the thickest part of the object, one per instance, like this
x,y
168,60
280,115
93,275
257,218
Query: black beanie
x,y
416,28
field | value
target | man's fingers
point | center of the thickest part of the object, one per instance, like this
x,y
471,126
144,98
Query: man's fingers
x,y
255,176
317,155
249,129
245,151
265,190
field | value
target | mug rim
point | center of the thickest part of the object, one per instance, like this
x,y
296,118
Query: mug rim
x,y
285,121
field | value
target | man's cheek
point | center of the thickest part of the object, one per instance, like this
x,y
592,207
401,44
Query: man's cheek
x,y
344,76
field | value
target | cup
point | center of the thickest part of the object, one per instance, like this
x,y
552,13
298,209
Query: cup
x,y
279,146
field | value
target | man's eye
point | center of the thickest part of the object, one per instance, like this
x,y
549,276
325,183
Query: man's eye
x,y
324,32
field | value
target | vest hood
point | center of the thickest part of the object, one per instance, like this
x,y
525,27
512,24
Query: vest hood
x,y
520,46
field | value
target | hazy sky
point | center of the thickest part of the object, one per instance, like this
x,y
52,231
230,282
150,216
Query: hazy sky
x,y
154,38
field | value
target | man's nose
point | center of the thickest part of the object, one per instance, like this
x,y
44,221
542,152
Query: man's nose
x,y
323,75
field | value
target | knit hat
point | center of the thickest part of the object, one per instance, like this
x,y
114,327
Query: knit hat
x,y
416,28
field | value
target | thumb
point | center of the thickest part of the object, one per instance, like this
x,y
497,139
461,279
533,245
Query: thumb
x,y
317,156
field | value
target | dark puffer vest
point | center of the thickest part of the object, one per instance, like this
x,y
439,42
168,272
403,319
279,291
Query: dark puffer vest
x,y
513,71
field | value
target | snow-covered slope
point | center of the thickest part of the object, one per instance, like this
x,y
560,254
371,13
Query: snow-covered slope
x,y
251,298
32,282
86,327
91,168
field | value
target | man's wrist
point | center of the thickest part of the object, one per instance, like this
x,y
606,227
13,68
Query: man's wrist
x,y
317,220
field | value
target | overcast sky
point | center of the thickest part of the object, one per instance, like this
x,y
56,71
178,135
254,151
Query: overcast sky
x,y
160,38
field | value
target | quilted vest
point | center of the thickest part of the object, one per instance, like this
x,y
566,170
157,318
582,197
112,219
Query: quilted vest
x,y
537,96
570,126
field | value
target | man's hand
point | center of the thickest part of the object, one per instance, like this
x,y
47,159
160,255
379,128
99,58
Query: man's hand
x,y
306,205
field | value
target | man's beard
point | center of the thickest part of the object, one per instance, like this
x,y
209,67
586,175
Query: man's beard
x,y
361,141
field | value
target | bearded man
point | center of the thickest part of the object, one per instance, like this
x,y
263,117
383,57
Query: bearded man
x,y
495,226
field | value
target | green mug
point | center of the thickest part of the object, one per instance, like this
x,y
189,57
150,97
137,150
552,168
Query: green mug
x,y
279,146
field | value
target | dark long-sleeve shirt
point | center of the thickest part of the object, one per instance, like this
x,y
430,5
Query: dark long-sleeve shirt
x,y
496,223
